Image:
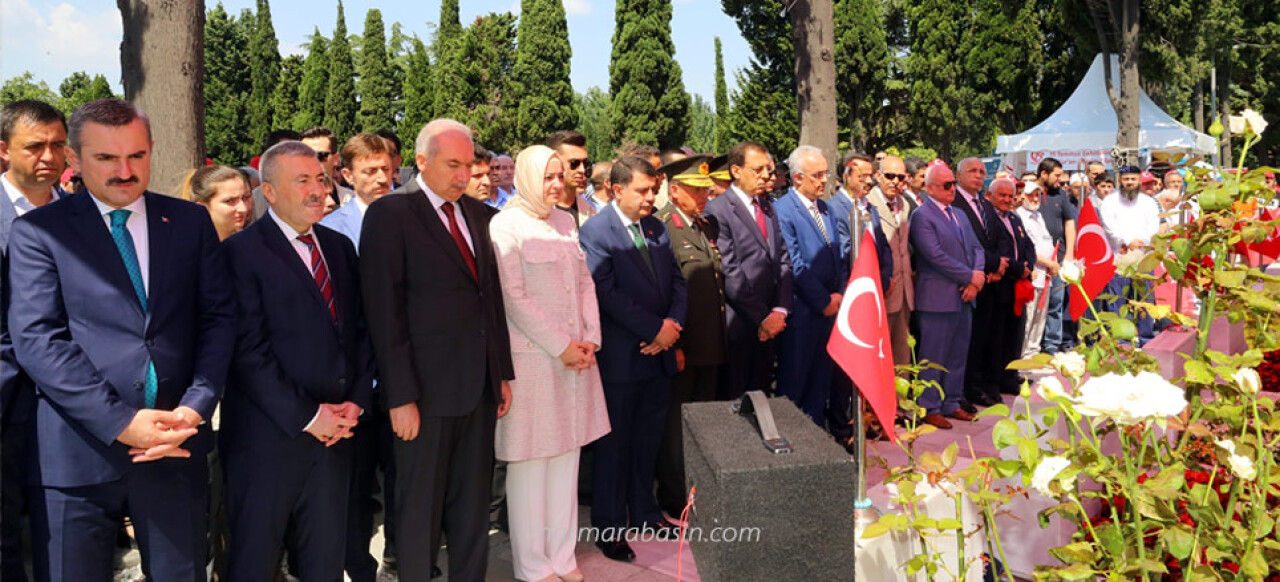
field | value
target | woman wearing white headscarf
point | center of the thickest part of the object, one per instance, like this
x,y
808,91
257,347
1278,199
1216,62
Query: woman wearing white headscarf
x,y
557,398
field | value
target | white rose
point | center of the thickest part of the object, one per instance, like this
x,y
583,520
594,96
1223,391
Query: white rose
x,y
1248,380
1049,388
1236,124
1070,272
1127,399
1254,120
1046,472
1071,364
1241,466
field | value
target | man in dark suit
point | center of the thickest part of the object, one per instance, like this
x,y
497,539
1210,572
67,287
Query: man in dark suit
x,y
949,265
33,140
815,241
642,298
757,271
439,331
123,314
701,348
1005,331
971,174
303,375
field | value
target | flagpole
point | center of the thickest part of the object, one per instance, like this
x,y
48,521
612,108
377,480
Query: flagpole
x,y
864,513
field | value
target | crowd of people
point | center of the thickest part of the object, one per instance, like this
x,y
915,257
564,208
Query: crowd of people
x,y
470,336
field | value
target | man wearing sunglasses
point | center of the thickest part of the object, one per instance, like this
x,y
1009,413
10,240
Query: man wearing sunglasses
x,y
572,147
893,209
949,264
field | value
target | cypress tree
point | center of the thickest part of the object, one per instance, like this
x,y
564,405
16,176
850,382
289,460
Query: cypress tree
x,y
649,104
284,100
938,93
450,29
315,84
722,141
702,126
419,95
449,85
593,122
340,101
375,87
264,56
764,106
226,87
540,78
477,77
862,71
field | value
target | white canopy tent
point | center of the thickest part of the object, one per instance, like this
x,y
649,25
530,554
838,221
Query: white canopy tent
x,y
1086,122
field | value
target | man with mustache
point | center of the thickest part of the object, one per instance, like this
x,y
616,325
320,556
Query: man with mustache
x,y
1130,220
123,313
33,142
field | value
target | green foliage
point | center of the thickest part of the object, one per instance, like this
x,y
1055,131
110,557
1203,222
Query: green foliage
x,y
340,100
540,79
764,107
449,77
862,73
473,81
648,102
592,109
702,126
315,84
264,73
419,95
450,29
79,88
284,100
25,86
376,84
722,142
226,86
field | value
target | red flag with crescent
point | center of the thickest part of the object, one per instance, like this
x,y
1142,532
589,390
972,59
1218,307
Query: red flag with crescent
x,y
860,339
1097,260
1268,248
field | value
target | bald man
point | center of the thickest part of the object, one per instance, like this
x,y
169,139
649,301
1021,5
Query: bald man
x,y
949,264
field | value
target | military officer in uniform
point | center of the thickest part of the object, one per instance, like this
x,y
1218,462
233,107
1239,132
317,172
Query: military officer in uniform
x,y
701,348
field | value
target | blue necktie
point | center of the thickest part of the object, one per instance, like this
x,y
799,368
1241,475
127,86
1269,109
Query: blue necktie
x,y
124,244
952,216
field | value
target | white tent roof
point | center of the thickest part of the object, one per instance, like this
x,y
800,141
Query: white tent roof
x,y
1086,121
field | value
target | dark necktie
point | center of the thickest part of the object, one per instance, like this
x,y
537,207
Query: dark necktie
x,y
459,240
760,220
124,244
320,272
977,209
643,247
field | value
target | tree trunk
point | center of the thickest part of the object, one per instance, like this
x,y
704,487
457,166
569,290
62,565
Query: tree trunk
x,y
1197,106
1224,107
162,65
813,27
1127,114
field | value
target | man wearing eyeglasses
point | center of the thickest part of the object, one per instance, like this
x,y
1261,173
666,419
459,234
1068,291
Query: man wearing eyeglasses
x,y
572,147
949,264
815,240
757,271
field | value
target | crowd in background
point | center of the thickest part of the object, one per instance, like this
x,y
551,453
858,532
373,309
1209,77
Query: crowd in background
x,y
459,342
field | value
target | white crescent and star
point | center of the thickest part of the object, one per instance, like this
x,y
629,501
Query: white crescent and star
x,y
857,288
1095,229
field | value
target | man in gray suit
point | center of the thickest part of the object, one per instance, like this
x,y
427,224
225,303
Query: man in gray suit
x,y
33,143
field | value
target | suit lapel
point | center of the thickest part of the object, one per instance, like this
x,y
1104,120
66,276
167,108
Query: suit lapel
x,y
99,249
7,215
748,219
160,232
277,242
633,253
436,228
336,260
479,236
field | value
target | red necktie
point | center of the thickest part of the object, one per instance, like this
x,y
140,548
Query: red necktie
x,y
461,242
764,232
321,273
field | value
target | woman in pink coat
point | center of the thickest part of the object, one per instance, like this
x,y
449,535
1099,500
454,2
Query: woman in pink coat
x,y
557,398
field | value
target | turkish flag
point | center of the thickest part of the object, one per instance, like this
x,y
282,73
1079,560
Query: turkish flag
x,y
1093,251
860,339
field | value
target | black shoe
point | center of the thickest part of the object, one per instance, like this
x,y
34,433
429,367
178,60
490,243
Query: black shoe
x,y
968,407
436,572
985,400
617,550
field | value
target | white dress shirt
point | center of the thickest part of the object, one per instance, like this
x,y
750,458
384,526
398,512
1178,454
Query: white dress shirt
x,y
137,226
1126,221
749,202
1038,232
20,203
437,203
